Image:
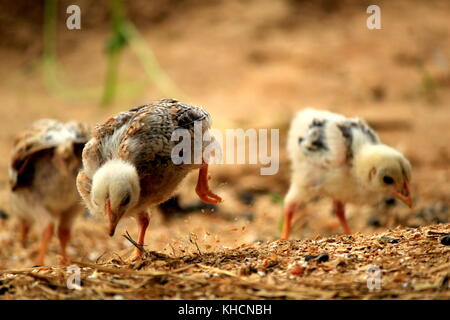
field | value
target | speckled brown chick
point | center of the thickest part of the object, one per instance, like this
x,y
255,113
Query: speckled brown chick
x,y
128,164
45,161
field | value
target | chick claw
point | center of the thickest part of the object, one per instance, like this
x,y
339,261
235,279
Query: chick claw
x,y
142,221
137,254
202,188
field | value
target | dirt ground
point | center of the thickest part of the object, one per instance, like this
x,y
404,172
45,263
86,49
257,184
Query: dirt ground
x,y
252,64
402,263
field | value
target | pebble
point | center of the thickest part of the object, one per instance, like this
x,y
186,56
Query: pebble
x,y
247,270
323,257
446,240
388,239
296,270
3,214
310,257
246,197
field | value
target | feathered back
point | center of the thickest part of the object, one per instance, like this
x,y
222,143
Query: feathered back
x,y
43,137
141,135
327,139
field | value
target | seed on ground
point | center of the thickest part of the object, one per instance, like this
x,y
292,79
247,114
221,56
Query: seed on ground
x,y
446,240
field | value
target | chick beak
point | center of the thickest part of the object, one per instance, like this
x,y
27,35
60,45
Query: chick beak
x,y
404,194
110,215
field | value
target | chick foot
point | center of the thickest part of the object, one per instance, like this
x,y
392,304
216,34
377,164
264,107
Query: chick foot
x,y
143,222
339,210
46,237
202,188
288,214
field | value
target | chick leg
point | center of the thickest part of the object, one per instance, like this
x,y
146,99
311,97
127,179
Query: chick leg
x,y
143,221
289,211
47,234
64,237
202,188
339,210
64,232
24,228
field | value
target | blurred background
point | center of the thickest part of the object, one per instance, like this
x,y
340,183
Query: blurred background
x,y
251,64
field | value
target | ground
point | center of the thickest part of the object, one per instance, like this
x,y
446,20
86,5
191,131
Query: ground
x,y
252,64
401,263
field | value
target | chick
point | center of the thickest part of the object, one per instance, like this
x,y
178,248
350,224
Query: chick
x,y
44,165
128,164
343,159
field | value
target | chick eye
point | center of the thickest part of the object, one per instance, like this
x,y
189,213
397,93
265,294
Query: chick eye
x,y
125,200
388,180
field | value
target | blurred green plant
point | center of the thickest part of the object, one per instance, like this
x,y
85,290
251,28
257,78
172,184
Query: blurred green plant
x,y
278,199
49,48
123,35
429,86
119,38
